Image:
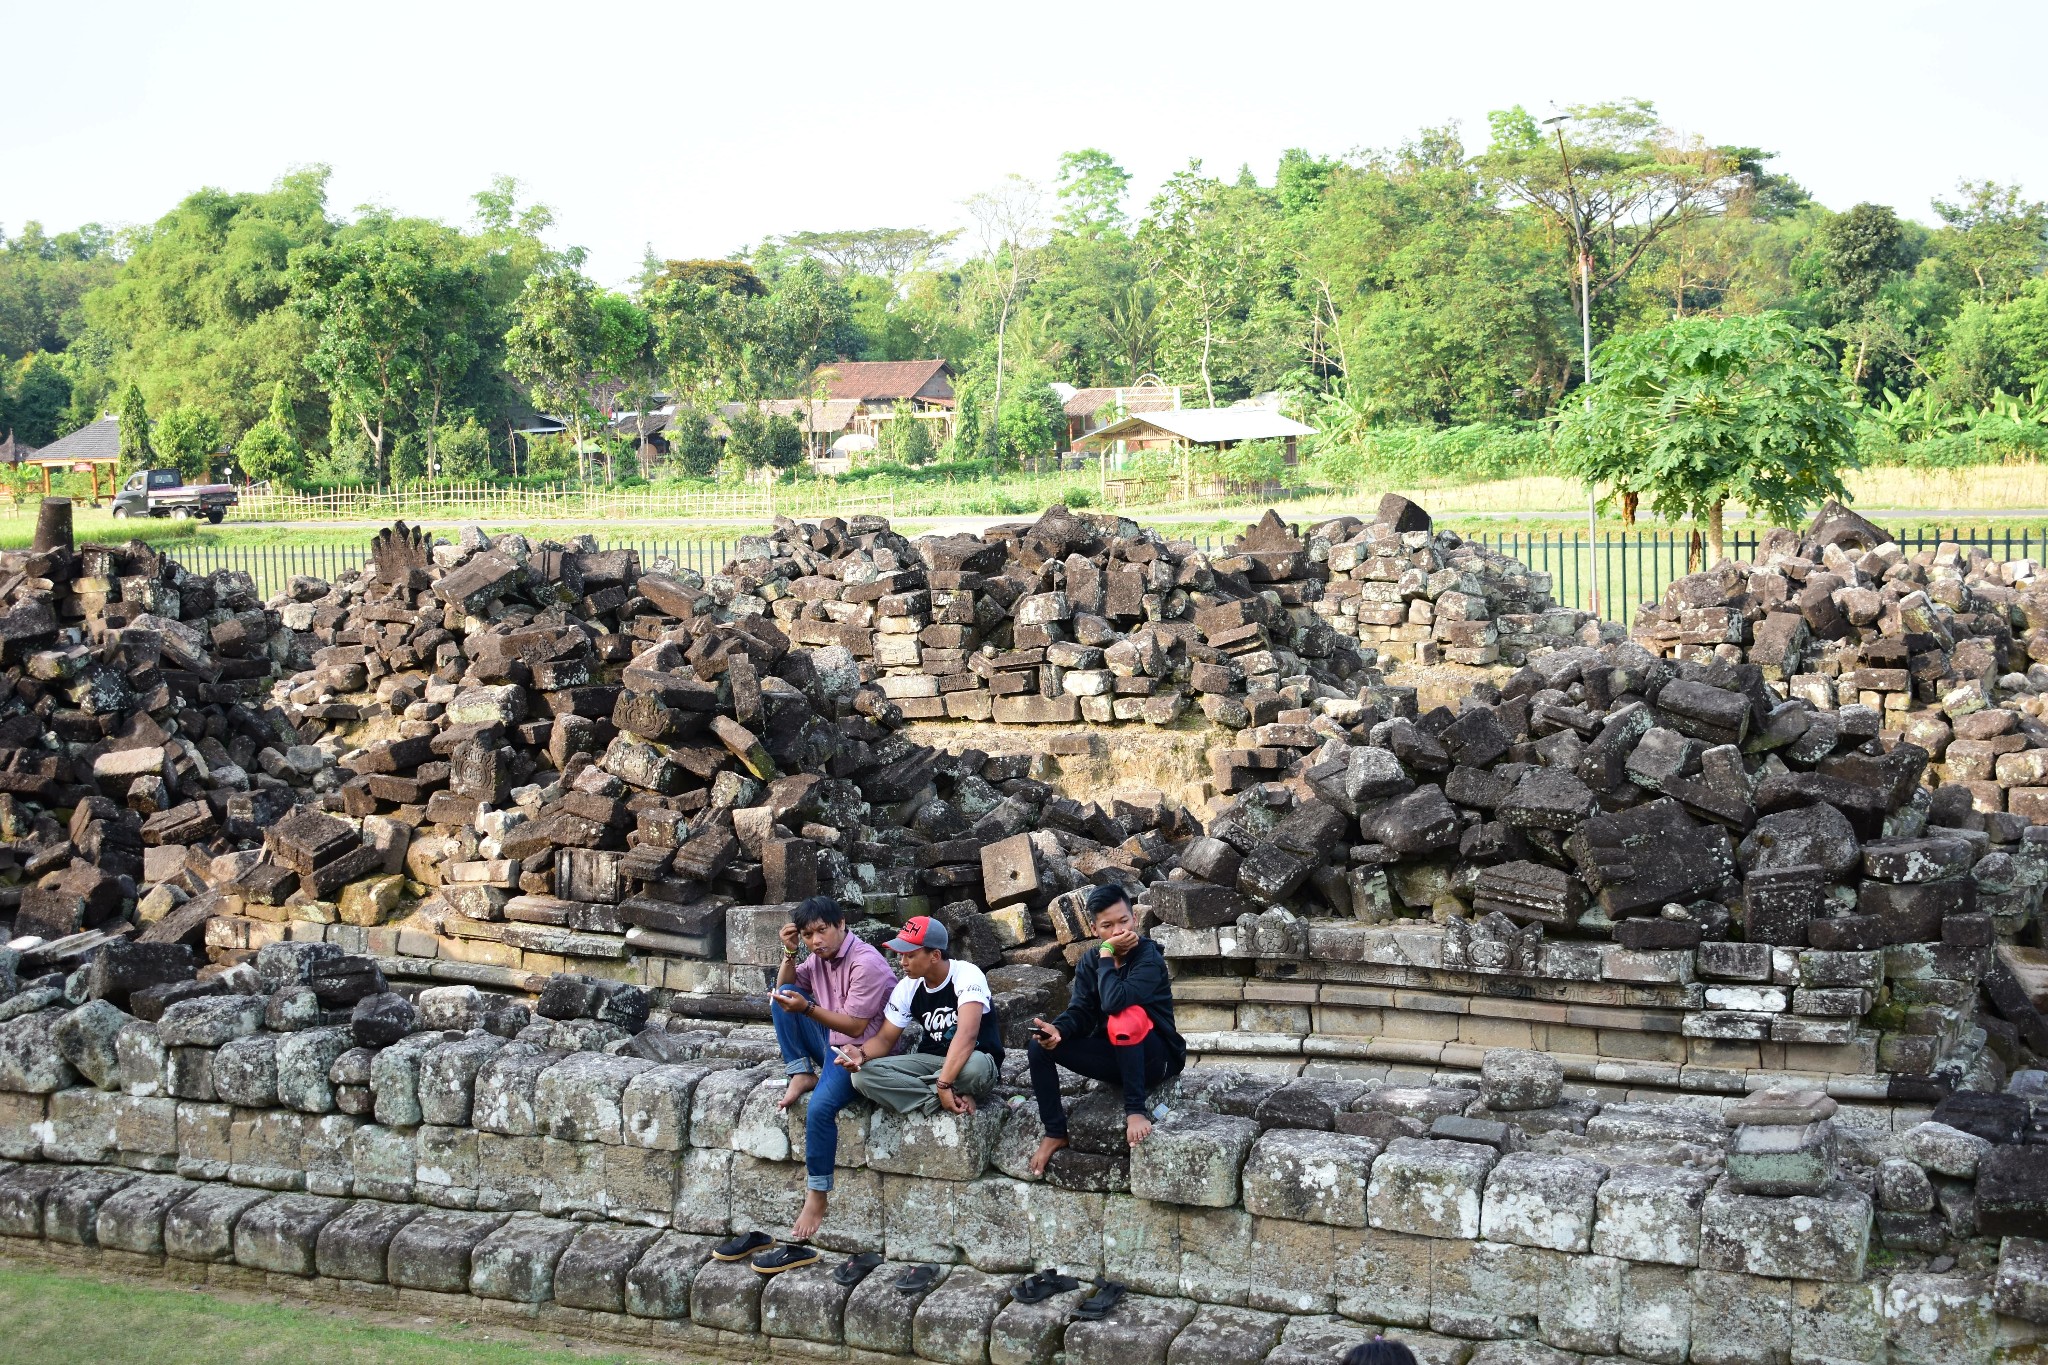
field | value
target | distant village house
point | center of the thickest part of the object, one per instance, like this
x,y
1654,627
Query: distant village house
x,y
1089,410
1182,430
873,389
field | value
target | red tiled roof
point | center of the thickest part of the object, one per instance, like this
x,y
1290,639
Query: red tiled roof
x,y
885,381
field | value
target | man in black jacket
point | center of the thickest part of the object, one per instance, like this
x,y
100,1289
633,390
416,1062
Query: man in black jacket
x,y
1117,1027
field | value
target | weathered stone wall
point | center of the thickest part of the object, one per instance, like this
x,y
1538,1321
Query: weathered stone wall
x,y
588,1188
1719,1018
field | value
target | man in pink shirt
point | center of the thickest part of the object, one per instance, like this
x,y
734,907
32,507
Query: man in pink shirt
x,y
831,999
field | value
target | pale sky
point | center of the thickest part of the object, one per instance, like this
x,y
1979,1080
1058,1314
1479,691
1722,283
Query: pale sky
x,y
701,128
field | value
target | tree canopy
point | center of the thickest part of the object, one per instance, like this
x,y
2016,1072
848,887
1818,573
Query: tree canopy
x,y
1704,410
1433,284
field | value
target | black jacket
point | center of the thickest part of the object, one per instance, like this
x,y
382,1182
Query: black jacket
x,y
1102,986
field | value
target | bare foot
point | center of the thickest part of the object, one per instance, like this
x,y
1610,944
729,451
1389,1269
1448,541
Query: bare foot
x,y
1046,1147
1136,1128
800,1084
807,1220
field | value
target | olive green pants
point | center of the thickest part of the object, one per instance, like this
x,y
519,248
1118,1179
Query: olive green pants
x,y
907,1082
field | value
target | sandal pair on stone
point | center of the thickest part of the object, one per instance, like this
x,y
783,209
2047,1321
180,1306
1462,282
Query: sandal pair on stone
x,y
760,1251
1039,1287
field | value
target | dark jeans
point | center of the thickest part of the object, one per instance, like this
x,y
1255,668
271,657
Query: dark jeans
x,y
1138,1068
805,1047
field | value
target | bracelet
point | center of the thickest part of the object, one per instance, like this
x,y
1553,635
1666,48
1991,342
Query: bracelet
x,y
942,1085
789,952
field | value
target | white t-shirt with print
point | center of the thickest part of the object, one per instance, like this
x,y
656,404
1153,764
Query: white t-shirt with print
x,y
936,1009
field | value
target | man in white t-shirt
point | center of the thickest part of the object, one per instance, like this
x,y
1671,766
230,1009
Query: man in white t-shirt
x,y
956,1061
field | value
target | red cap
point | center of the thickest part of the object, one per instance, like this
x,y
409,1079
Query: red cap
x,y
1131,1024
919,931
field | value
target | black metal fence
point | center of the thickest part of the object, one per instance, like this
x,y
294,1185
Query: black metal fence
x,y
1629,567
274,566
1632,567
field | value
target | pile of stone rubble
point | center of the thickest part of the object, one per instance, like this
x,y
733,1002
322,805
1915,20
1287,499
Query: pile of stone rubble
x,y
495,760
547,758
1608,793
134,717
1842,614
1089,618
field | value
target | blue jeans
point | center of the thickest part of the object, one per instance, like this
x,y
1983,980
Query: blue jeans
x,y
806,1050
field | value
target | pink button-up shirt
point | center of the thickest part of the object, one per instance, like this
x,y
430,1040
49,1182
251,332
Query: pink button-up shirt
x,y
856,980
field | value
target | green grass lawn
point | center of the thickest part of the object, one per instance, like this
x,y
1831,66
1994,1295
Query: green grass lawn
x,y
62,1319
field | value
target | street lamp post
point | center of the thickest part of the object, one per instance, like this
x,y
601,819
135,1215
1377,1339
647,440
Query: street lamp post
x,y
1556,124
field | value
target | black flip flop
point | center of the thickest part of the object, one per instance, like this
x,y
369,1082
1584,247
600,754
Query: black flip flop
x,y
1042,1286
741,1247
1033,1288
1097,1305
917,1279
854,1269
791,1256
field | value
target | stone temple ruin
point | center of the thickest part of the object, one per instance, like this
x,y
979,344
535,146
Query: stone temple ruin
x,y
1556,990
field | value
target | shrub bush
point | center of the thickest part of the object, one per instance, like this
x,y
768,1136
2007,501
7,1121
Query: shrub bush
x,y
1424,454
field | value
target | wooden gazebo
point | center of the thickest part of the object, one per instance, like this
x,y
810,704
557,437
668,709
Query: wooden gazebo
x,y
87,451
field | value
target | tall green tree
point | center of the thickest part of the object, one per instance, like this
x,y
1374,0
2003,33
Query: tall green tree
x,y
198,313
1856,254
43,283
553,346
1010,222
1091,189
1994,240
394,304
1205,241
1431,304
1869,297
1703,411
631,374
704,317
886,253
571,343
724,331
187,438
135,447
1611,181
37,395
1993,348
267,452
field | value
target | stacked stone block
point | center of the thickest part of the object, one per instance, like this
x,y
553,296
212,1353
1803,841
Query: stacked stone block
x,y
582,1193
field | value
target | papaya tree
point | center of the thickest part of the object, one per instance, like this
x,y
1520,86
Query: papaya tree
x,y
1706,410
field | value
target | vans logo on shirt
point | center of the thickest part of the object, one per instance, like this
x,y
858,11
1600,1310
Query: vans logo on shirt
x,y
940,1022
